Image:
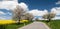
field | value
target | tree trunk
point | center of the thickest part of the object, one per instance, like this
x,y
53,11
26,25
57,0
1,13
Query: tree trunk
x,y
49,20
18,21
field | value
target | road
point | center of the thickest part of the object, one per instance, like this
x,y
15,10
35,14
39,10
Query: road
x,y
35,25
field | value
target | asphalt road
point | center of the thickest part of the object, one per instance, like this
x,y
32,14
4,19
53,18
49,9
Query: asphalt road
x,y
35,25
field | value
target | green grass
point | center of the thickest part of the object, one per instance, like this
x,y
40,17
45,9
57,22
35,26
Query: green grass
x,y
13,26
54,24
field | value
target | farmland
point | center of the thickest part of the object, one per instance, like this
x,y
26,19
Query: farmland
x,y
10,24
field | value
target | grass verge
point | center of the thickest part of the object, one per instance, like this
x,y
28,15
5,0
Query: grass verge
x,y
53,24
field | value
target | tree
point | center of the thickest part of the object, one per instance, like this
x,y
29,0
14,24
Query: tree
x,y
49,16
29,16
52,15
17,13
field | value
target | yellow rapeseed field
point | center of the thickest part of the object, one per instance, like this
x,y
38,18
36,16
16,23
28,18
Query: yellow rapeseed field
x,y
11,21
6,21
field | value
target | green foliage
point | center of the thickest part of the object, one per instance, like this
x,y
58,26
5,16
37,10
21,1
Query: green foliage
x,y
3,26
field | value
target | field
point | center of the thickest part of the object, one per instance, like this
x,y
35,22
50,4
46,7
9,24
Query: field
x,y
10,24
6,22
54,24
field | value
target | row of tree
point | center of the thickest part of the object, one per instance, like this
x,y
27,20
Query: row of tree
x,y
19,14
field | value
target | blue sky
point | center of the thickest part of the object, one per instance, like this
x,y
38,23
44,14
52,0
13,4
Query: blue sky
x,y
40,4
37,7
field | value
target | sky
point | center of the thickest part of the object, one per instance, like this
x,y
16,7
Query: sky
x,y
36,7
40,4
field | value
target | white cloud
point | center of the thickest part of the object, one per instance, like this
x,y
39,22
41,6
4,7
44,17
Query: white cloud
x,y
55,18
56,10
9,13
58,2
23,6
1,12
8,4
12,4
5,17
53,10
1,18
37,12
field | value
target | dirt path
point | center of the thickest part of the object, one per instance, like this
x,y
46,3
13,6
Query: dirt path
x,y
36,25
